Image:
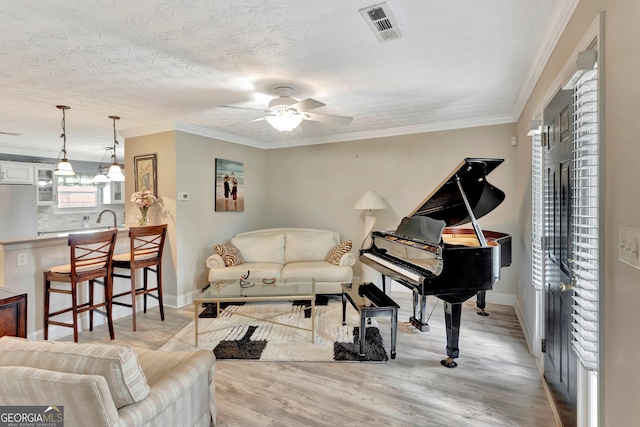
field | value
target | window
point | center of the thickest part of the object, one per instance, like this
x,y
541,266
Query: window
x,y
537,216
77,192
586,220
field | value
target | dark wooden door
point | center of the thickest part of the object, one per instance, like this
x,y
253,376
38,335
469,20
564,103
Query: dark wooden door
x,y
560,361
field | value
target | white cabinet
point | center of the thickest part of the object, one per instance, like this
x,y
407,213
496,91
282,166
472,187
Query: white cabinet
x,y
16,173
113,193
47,184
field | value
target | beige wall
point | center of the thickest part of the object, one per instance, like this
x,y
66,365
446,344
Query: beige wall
x,y
317,186
186,163
619,372
199,226
622,282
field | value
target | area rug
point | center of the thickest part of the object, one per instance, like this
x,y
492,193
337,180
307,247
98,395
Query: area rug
x,y
236,337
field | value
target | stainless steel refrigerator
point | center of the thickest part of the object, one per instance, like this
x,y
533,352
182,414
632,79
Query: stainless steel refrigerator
x,y
18,212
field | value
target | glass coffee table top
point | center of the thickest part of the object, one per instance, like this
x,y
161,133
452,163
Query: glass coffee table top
x,y
257,289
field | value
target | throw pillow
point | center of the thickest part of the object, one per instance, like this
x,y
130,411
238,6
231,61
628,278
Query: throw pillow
x,y
229,253
337,251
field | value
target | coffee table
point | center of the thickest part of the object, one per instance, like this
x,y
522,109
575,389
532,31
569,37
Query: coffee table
x,y
369,301
299,289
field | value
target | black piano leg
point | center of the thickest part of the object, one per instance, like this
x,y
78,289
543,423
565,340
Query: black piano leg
x,y
452,315
418,319
481,303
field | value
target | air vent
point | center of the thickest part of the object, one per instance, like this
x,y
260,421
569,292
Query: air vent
x,y
381,21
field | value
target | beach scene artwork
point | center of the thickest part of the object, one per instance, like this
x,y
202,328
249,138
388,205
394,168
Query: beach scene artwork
x,y
229,186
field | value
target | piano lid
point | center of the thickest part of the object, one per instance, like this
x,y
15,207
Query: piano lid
x,y
446,203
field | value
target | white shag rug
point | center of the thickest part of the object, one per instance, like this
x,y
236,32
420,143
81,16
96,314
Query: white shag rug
x,y
237,337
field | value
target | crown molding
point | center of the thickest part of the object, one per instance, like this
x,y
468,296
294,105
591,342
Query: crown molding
x,y
556,24
287,143
407,130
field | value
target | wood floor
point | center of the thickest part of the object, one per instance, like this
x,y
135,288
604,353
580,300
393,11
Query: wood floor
x,y
495,384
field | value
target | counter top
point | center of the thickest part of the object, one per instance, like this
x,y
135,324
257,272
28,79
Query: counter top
x,y
60,234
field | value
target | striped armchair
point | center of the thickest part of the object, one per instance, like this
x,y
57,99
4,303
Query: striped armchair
x,y
109,385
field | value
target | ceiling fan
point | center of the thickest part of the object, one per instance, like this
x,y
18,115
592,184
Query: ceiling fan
x,y
285,113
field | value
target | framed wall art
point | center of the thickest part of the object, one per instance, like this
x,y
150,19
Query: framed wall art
x,y
146,173
229,186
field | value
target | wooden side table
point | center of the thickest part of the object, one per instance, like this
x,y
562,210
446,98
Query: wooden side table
x,y
13,313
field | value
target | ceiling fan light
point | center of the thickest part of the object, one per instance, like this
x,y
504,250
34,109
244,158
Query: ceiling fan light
x,y
285,121
115,173
64,168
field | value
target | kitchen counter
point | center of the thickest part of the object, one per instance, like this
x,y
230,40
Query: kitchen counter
x,y
23,262
48,235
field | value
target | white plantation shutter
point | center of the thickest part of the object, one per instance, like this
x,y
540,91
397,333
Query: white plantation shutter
x,y
537,217
585,230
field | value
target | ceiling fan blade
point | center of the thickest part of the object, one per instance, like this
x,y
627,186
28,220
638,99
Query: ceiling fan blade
x,y
306,105
327,118
243,108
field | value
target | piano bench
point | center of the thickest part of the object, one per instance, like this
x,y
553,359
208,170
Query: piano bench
x,y
369,301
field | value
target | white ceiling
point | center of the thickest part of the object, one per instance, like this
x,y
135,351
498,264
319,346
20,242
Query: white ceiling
x,y
161,64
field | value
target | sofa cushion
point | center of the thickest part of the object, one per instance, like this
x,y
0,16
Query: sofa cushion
x,y
116,363
268,248
86,398
308,246
229,253
322,271
338,251
258,270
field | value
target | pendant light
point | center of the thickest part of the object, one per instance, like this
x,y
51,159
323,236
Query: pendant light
x,y
64,167
100,176
115,173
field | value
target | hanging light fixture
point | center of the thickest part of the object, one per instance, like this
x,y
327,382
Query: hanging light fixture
x,y
100,176
115,173
64,167
284,120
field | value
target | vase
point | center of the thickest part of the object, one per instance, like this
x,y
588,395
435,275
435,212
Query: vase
x,y
143,219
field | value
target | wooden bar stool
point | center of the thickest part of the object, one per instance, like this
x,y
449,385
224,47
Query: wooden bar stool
x,y
146,245
91,259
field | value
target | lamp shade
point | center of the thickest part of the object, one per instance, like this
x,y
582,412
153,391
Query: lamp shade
x,y
371,200
64,168
115,173
100,178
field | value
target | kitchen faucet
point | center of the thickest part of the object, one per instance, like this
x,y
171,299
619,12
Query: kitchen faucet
x,y
115,226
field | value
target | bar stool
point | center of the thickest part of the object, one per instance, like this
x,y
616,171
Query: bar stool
x,y
146,245
91,259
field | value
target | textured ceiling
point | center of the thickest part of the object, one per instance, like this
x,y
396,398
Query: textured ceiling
x,y
161,64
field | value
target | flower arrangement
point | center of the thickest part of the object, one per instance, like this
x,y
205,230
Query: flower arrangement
x,y
143,200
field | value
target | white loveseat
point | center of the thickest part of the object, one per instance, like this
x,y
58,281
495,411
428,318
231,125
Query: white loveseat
x,y
105,385
283,253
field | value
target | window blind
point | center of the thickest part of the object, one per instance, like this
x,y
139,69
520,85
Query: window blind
x,y
537,218
585,231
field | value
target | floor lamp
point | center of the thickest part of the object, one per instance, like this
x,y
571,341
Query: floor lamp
x,y
369,201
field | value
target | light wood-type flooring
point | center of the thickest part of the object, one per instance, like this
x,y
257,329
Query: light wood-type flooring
x,y
496,382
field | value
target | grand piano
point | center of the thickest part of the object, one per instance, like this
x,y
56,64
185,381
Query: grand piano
x,y
431,255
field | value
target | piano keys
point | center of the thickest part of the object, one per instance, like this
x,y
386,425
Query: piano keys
x,y
431,255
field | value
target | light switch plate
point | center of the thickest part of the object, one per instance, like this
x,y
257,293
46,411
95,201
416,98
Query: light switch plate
x,y
629,246
183,196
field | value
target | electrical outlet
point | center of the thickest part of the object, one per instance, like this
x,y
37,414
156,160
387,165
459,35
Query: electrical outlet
x,y
22,259
629,246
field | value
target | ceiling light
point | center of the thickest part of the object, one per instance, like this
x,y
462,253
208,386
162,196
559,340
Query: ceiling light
x,y
115,173
64,167
284,120
100,176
